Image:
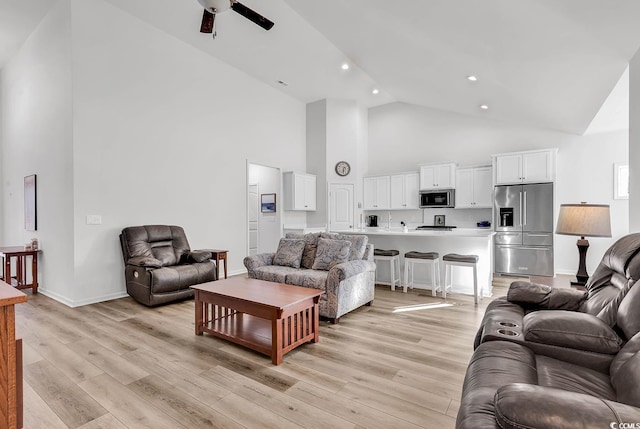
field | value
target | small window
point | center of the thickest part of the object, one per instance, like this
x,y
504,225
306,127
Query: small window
x,y
621,181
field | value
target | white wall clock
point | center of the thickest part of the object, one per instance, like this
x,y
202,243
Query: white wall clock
x,y
343,168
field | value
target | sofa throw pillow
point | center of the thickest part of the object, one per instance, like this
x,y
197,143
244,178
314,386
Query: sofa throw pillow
x,y
358,243
289,253
310,246
330,253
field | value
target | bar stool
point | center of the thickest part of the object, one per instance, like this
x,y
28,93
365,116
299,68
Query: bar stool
x,y
393,256
412,258
453,259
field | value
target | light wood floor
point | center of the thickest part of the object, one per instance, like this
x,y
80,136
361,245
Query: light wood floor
x,y
119,364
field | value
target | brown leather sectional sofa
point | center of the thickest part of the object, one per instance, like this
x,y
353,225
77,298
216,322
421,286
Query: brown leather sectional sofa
x,y
556,358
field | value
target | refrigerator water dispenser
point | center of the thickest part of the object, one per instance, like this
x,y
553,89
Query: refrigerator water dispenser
x,y
506,216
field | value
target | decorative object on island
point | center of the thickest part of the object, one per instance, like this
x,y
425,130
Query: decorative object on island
x,y
584,220
438,220
30,212
268,203
343,168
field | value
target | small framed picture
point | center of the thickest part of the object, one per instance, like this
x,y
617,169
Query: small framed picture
x,y
438,220
268,203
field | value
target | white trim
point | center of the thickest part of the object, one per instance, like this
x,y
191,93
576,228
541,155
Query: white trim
x,y
80,303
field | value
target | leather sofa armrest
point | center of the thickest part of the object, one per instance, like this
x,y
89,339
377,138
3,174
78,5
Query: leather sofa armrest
x,y
522,405
570,329
144,261
534,295
199,256
255,261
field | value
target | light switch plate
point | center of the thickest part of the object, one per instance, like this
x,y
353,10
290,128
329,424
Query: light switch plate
x,y
94,220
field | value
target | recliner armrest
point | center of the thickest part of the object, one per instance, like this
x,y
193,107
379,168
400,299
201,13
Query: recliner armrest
x,y
570,329
522,405
534,295
144,261
199,256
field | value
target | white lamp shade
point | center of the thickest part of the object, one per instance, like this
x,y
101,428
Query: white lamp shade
x,y
585,220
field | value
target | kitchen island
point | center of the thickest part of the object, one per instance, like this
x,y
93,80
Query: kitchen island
x,y
471,241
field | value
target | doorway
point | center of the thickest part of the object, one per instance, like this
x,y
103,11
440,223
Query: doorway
x,y
264,227
341,207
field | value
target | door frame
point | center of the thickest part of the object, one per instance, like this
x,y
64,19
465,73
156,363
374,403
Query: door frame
x,y
279,202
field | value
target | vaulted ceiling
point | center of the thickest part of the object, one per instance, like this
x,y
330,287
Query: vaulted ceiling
x,y
542,63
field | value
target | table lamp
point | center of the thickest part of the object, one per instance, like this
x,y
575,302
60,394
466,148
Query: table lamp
x,y
584,220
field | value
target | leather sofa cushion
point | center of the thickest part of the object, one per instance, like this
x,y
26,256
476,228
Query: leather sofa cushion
x,y
167,243
519,406
170,279
315,279
572,330
625,372
144,261
574,378
628,318
273,273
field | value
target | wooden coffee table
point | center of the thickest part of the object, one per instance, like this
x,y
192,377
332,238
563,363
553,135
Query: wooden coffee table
x,y
270,318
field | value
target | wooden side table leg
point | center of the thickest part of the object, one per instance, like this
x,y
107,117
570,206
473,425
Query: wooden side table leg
x,y
316,322
199,320
34,272
225,265
7,269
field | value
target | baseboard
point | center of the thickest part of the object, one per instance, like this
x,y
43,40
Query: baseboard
x,y
71,303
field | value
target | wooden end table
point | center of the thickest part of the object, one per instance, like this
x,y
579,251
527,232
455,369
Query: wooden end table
x,y
270,318
19,280
219,256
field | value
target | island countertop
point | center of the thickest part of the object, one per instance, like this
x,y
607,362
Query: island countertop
x,y
456,232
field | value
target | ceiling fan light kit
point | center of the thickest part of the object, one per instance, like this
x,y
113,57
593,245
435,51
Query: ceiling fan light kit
x,y
213,7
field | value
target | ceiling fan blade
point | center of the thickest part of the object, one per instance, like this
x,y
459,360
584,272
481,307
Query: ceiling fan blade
x,y
207,22
252,15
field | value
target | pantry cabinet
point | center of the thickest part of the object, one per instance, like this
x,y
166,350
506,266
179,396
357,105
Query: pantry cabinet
x,y
405,191
299,191
473,187
525,167
437,176
376,193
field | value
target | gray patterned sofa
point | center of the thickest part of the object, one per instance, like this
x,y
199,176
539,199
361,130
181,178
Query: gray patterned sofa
x,y
341,265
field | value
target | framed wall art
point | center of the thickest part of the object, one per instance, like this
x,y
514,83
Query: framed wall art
x,y
30,207
268,203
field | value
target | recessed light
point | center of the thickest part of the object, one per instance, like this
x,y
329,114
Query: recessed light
x,y
345,66
484,107
375,91
472,78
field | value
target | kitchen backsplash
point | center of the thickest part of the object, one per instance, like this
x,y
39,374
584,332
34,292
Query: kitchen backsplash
x,y
462,218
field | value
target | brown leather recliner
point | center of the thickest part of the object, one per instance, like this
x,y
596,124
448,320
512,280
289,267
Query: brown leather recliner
x,y
560,368
572,324
160,267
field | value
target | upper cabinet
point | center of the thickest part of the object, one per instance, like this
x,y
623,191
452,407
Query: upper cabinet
x,y
404,191
526,167
473,187
437,176
299,191
376,193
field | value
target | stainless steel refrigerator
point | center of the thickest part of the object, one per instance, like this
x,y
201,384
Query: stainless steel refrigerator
x,y
524,229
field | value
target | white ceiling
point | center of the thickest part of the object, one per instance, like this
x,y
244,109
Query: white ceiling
x,y
543,63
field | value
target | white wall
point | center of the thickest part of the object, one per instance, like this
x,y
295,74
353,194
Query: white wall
x,y
401,136
316,133
634,142
161,134
36,127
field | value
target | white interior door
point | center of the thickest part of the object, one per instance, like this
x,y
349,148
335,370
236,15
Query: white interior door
x,y
341,206
252,205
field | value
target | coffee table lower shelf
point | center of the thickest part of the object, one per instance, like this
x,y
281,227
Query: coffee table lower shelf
x,y
244,329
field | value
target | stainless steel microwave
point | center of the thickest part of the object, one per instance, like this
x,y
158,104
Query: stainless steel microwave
x,y
437,199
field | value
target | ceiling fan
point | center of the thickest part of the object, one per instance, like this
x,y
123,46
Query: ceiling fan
x,y
213,7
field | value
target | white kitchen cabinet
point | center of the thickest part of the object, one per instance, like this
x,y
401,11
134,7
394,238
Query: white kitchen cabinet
x,y
376,193
437,176
299,191
525,167
405,191
473,187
